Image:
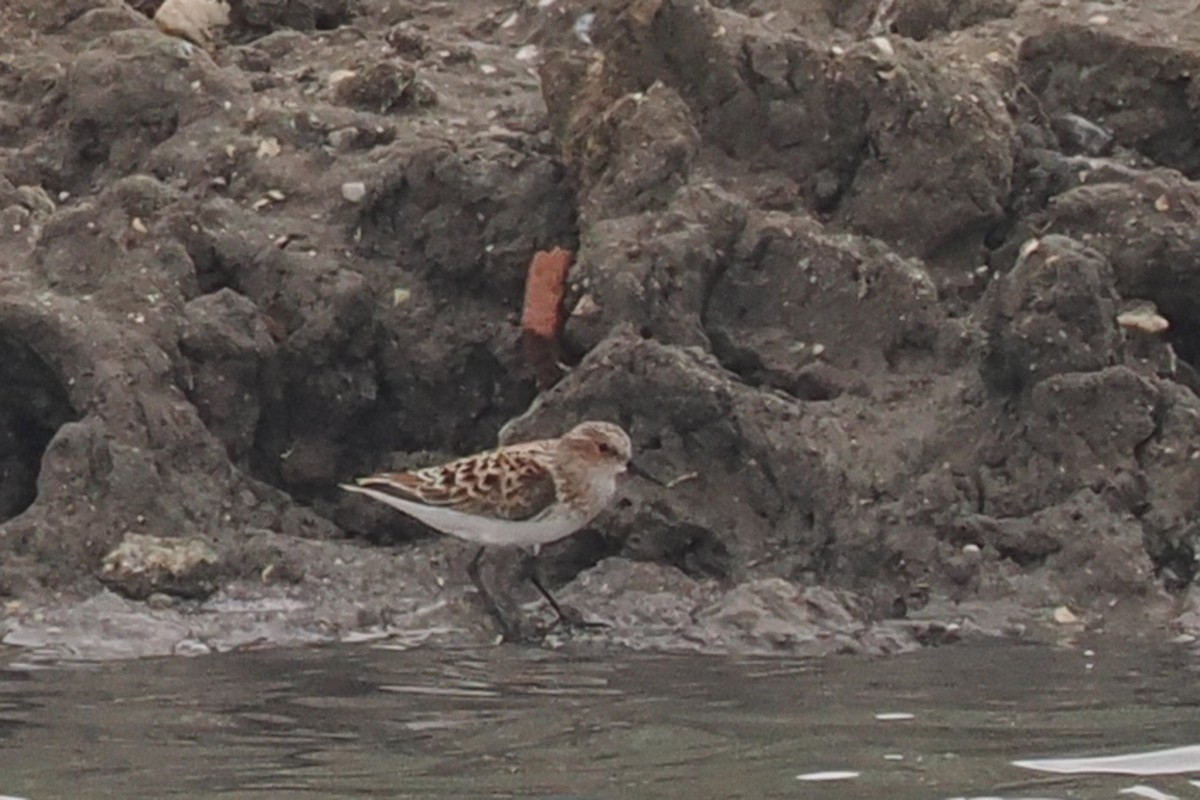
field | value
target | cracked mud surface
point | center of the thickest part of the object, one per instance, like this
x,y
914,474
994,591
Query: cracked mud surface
x,y
849,273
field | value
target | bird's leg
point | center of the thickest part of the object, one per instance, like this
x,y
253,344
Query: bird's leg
x,y
562,615
473,568
511,631
568,617
488,599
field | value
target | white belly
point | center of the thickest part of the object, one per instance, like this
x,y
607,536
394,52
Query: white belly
x,y
481,530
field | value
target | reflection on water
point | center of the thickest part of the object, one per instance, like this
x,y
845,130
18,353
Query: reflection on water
x,y
362,721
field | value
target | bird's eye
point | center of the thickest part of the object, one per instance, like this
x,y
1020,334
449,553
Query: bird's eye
x,y
607,449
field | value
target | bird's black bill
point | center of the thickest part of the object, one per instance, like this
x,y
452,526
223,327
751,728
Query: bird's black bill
x,y
634,469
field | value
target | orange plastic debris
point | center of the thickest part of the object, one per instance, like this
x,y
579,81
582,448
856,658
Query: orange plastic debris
x,y
542,317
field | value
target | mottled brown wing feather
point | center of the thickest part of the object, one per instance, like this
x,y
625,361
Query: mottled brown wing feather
x,y
503,484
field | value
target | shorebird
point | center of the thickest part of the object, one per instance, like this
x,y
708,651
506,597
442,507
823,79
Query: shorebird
x,y
520,495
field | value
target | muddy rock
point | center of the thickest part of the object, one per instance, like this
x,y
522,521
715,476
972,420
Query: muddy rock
x,y
774,614
96,251
143,565
138,458
1106,445
627,593
128,92
651,605
53,18
1056,311
346,592
796,298
1130,81
828,119
1102,555
141,196
261,16
382,87
1077,134
955,122
1145,223
228,344
631,152
1121,416
653,271
922,19
467,220
1171,460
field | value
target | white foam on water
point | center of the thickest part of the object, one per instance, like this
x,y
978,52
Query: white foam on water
x,y
828,775
1147,791
1155,762
892,716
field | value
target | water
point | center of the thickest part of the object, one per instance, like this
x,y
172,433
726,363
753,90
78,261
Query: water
x,y
362,721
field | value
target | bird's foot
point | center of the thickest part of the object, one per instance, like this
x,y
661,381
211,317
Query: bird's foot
x,y
570,618
526,631
523,631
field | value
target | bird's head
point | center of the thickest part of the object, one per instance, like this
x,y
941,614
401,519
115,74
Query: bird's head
x,y
602,445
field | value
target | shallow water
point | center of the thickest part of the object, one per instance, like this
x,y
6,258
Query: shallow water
x,y
365,721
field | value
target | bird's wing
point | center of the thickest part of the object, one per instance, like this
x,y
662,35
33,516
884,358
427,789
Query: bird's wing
x,y
513,483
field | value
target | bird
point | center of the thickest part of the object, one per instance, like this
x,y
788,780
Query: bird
x,y
520,495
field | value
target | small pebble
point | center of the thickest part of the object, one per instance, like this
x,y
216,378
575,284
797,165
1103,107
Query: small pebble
x,y
268,148
583,27
884,47
1064,616
1143,320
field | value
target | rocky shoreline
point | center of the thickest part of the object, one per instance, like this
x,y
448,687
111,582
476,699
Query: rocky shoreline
x,y
894,299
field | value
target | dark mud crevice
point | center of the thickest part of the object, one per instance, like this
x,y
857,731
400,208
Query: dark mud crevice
x,y
1158,414
1175,565
89,145
564,560
33,406
220,263
920,20
254,19
1184,333
741,361
828,195
824,556
467,222
1131,85
1023,558
146,8
692,549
